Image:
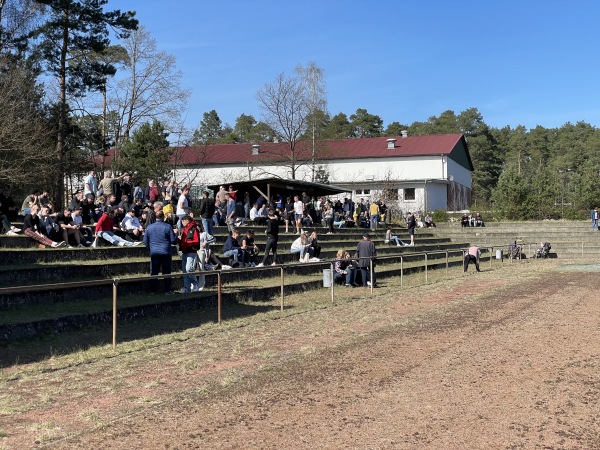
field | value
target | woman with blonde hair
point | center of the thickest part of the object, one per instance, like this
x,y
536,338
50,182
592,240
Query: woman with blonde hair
x,y
343,268
302,246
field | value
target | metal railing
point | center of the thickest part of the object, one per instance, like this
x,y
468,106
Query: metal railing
x,y
219,274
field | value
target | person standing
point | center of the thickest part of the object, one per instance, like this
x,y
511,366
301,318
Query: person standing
x,y
230,213
108,183
182,206
298,212
288,214
207,211
189,244
159,238
328,216
272,238
473,255
374,215
411,223
90,184
595,219
365,251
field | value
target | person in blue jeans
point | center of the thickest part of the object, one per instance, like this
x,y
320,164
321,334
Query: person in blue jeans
x,y
207,211
189,244
343,268
365,252
232,249
159,238
595,217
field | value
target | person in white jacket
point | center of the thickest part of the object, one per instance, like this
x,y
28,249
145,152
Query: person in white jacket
x,y
303,247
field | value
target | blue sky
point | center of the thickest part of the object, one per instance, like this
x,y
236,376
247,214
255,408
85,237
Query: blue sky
x,y
525,62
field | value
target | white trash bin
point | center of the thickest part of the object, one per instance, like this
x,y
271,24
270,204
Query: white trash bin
x,y
499,254
327,278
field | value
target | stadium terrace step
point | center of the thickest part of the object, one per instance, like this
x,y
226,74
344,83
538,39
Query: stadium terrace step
x,y
568,239
97,270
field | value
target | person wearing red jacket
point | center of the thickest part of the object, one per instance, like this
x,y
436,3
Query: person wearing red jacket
x,y
189,244
105,229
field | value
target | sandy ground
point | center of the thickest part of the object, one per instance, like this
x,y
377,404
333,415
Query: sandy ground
x,y
495,361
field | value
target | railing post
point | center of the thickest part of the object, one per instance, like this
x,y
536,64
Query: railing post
x,y
114,316
491,256
332,279
447,263
219,286
401,269
371,272
521,258
282,288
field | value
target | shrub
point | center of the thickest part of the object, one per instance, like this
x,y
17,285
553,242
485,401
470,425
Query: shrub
x,y
440,215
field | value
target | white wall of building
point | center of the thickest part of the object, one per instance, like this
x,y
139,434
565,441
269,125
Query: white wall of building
x,y
414,168
420,173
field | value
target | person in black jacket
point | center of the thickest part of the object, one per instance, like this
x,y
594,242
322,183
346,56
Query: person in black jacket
x,y
410,224
365,251
207,211
272,238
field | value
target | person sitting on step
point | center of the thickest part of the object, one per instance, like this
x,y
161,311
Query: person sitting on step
x,y
343,268
233,250
390,237
302,246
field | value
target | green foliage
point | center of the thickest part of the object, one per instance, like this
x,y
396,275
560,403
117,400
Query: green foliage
x,y
73,31
510,195
248,130
365,125
210,131
147,154
76,28
339,127
541,201
395,129
27,151
440,216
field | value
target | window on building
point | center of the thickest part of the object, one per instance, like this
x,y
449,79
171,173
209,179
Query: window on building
x,y
409,194
358,191
367,191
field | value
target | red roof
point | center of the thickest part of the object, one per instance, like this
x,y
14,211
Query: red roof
x,y
441,144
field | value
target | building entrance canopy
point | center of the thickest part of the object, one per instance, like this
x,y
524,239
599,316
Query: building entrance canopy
x,y
267,187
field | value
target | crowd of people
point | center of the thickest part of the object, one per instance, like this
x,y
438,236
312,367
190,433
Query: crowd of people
x,y
115,210
469,220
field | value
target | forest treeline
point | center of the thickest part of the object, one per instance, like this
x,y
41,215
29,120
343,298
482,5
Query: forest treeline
x,y
520,173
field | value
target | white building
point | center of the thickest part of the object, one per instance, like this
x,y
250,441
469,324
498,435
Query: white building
x,y
418,173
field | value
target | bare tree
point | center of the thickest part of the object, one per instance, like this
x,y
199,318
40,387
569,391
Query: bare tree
x,y
313,78
192,159
27,153
150,91
17,18
285,107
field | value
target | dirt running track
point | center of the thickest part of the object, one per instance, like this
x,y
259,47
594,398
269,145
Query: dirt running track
x,y
487,363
